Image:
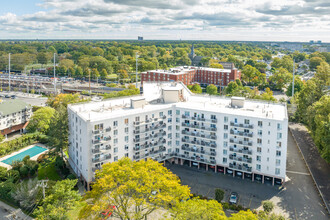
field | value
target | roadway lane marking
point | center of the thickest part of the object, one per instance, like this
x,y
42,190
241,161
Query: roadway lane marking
x,y
307,174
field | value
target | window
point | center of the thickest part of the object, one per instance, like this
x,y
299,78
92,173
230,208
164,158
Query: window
x,y
115,132
177,150
224,160
260,132
126,139
278,153
126,147
260,123
259,158
169,119
277,171
258,167
161,114
213,117
115,141
225,127
115,123
169,143
169,128
177,135
278,162
177,127
246,121
259,141
126,154
177,120
279,126
186,113
259,149
169,112
115,149
115,158
225,143
126,120
169,135
177,112
269,124
177,143
225,119
279,135
137,118
225,135
278,144
224,152
126,130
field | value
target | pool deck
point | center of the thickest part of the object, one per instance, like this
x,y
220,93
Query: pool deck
x,y
24,149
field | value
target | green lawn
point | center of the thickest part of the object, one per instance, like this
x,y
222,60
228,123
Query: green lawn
x,y
47,170
73,214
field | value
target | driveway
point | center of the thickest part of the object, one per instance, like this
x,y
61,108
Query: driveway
x,y
298,199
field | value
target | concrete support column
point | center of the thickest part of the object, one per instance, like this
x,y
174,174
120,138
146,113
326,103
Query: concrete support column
x,y
233,173
164,163
263,179
215,168
181,162
243,175
207,167
190,163
198,165
224,170
273,181
252,177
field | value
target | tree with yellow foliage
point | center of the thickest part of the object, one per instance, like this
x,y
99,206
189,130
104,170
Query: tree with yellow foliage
x,y
133,190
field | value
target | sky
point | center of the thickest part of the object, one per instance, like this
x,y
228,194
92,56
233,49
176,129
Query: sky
x,y
223,20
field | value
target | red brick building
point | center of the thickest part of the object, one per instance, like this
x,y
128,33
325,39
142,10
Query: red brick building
x,y
190,75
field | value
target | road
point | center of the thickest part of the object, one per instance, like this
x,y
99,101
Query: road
x,y
33,100
298,199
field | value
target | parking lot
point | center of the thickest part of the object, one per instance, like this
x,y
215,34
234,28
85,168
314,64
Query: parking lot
x,y
298,199
34,100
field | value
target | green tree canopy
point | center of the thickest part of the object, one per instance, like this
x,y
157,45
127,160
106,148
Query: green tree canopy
x,y
280,78
41,119
211,89
298,86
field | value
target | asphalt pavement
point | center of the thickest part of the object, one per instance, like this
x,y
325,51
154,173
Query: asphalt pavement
x,y
298,199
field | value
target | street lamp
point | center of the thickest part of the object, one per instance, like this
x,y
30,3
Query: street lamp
x,y
136,69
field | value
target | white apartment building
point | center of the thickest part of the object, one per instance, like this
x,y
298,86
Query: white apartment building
x,y
168,123
14,115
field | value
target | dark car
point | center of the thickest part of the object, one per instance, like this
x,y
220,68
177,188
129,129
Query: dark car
x,y
7,96
233,198
13,96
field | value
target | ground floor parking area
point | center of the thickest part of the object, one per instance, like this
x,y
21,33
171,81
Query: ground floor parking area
x,y
297,199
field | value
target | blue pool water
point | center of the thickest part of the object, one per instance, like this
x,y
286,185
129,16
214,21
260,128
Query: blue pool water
x,y
31,152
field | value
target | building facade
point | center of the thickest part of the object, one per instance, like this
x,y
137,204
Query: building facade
x,y
170,124
14,116
189,75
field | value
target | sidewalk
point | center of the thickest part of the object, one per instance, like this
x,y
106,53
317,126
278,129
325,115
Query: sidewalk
x,y
8,212
318,167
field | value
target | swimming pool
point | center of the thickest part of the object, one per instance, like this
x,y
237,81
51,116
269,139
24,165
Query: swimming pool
x,y
35,150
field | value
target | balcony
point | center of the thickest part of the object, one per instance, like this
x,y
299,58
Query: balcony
x,y
95,160
95,141
241,133
136,157
240,167
199,118
96,150
240,151
248,143
241,159
202,143
199,134
106,148
96,131
241,125
95,168
108,129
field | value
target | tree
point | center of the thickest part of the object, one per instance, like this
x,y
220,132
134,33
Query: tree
x,y
280,78
248,73
216,65
61,199
323,73
42,58
95,73
40,120
267,206
27,193
219,194
123,74
79,72
198,209
104,73
211,89
268,95
196,88
231,88
63,99
298,86
136,189
318,121
314,62
243,215
67,63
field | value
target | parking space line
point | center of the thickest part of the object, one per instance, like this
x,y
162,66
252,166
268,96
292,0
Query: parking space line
x,y
307,174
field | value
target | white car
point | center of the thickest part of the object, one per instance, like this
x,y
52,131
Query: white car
x,y
233,198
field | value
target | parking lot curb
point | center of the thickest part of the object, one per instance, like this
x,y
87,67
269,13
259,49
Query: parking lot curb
x,y
309,170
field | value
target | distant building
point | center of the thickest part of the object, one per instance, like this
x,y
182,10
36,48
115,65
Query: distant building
x,y
140,38
195,60
291,46
14,116
190,74
227,65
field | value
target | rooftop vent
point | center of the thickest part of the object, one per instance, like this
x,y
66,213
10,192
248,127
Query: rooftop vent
x,y
237,102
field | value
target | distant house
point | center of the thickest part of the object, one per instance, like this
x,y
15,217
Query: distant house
x,y
195,60
14,116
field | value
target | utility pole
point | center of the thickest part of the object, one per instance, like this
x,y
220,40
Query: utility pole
x,y
9,71
136,69
89,79
43,184
293,77
54,77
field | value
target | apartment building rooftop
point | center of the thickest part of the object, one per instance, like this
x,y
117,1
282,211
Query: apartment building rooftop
x,y
158,96
183,69
11,106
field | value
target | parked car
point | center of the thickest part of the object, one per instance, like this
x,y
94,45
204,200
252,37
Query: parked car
x,y
13,96
7,96
233,198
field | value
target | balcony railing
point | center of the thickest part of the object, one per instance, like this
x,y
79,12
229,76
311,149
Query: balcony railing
x,y
197,159
240,167
248,143
241,125
241,133
240,151
214,120
198,134
95,151
241,159
197,150
202,143
198,127
95,160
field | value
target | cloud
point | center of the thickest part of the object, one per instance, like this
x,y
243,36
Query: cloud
x,y
158,4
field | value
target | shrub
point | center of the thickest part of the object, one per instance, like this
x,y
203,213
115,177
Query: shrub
x,y
59,163
219,194
225,205
3,174
267,206
71,176
24,171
